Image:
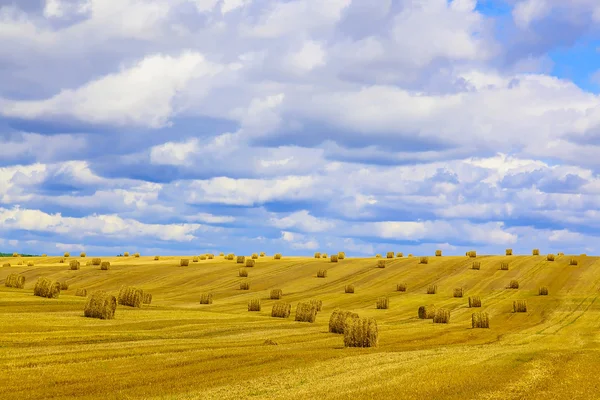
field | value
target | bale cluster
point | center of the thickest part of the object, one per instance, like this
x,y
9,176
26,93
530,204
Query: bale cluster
x,y
519,306
281,309
476,265
438,253
543,291
341,255
105,265
241,259
306,312
504,266
100,305
64,285
131,296
318,304
360,332
513,284
46,287
338,318
15,281
250,263
572,261
401,287
474,301
383,303
509,252
424,260
74,265
432,289
254,305
184,262
535,252
349,289
254,256
82,254
81,292
399,255
96,261
458,292
276,294
480,320
244,286
277,256
442,316
334,258
147,298
550,257
243,273
381,264
317,255
322,273
206,298
390,254
426,312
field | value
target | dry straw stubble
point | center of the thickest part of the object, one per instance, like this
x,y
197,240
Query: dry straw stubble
x,y
46,287
360,332
100,305
338,318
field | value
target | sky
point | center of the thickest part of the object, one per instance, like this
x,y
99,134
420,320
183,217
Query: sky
x,y
295,126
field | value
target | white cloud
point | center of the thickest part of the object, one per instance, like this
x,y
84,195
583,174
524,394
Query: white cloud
x,y
140,95
299,241
308,57
303,221
172,153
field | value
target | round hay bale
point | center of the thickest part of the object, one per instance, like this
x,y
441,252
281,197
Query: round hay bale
x,y
338,319
306,312
341,255
572,261
105,265
513,284
432,289
519,306
277,256
383,303
322,273
241,259
458,292
64,285
401,287
424,260
508,252
543,291
96,261
317,255
250,263
281,309
147,298
202,258
30,264
476,265
243,273
480,320
361,332
67,255
100,305
442,316
81,292
82,254
474,301
15,281
15,255
244,285
389,254
46,287
184,262
74,265
535,252
195,259
254,305
131,296
6,265
262,253
381,264
206,298
156,258
426,312
126,254
550,257
438,253
276,294
334,258
254,256
349,289
137,255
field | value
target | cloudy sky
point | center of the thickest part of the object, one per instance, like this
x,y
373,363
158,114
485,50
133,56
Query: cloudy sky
x,y
193,126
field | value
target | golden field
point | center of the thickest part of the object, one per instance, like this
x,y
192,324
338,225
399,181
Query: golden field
x,y
176,348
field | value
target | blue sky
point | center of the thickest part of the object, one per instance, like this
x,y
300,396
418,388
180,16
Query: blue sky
x,y
193,126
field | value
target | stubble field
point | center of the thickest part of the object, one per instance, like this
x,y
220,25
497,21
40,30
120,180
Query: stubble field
x,y
176,348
